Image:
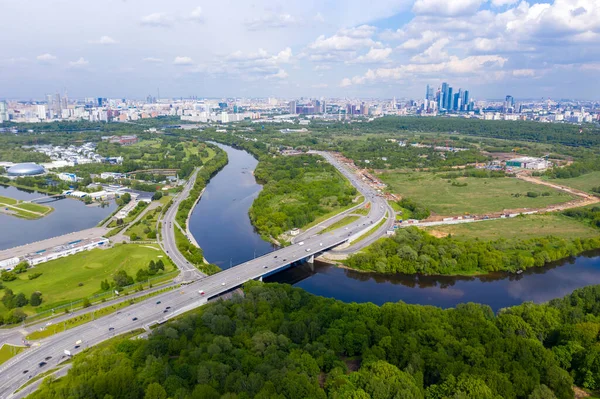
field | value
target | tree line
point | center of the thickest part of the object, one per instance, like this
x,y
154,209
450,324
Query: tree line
x,y
411,250
279,342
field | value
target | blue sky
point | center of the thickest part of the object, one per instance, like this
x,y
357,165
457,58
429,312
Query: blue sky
x,y
351,48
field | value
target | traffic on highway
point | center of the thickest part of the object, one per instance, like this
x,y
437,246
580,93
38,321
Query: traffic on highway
x,y
50,352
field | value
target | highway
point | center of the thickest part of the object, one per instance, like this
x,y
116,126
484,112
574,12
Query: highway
x,y
158,309
167,241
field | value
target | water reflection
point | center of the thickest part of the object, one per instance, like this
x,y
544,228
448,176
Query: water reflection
x,y
221,225
497,290
69,215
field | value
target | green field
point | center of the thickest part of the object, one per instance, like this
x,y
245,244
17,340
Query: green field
x,y
340,223
79,276
479,196
522,227
7,351
24,210
584,182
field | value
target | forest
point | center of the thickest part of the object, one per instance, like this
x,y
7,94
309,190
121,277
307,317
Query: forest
x,y
279,342
297,190
411,250
379,153
550,133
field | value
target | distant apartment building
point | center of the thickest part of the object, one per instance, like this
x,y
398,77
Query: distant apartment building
x,y
123,140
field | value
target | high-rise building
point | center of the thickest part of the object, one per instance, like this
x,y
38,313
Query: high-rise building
x,y
429,93
292,106
3,111
449,99
466,100
456,101
444,96
509,104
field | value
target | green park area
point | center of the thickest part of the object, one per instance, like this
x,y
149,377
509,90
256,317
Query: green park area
x,y
25,210
586,182
471,195
80,276
7,351
523,227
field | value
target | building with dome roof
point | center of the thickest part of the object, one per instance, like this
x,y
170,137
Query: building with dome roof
x,y
26,169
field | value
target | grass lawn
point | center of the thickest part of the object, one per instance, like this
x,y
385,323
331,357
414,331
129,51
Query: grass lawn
x,y
24,209
479,196
522,227
334,212
60,280
340,223
7,351
584,182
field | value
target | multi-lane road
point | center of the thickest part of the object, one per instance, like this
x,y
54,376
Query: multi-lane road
x,y
48,352
189,272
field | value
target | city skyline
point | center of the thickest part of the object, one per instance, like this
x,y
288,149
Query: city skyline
x,y
314,49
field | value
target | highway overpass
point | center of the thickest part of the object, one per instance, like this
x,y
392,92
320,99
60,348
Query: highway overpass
x,y
25,365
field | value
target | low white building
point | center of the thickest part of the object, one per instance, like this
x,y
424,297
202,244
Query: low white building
x,y
9,264
70,177
66,250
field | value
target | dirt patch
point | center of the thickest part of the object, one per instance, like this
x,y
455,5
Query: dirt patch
x,y
580,393
438,234
322,378
352,363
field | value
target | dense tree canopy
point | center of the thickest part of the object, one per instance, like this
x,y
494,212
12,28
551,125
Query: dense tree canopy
x,y
296,191
281,342
412,250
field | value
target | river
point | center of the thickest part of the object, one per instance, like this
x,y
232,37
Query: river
x,y
69,215
221,225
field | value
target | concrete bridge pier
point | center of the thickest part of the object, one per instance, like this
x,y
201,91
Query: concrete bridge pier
x,y
311,260
260,279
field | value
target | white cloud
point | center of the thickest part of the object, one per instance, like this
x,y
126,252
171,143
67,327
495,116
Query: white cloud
x,y
104,40
80,63
153,60
45,58
196,15
454,66
426,38
157,19
322,67
447,8
182,61
342,46
281,74
434,53
271,21
320,86
319,18
375,55
501,3
523,73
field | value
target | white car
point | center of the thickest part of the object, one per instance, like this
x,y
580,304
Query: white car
x,y
222,283
307,249
301,243
320,244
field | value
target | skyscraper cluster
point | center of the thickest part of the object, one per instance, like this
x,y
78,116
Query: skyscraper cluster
x,y
445,99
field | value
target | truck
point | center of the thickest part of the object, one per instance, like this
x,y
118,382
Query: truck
x,y
67,352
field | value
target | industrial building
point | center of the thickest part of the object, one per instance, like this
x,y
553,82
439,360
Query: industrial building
x,y
528,163
26,169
